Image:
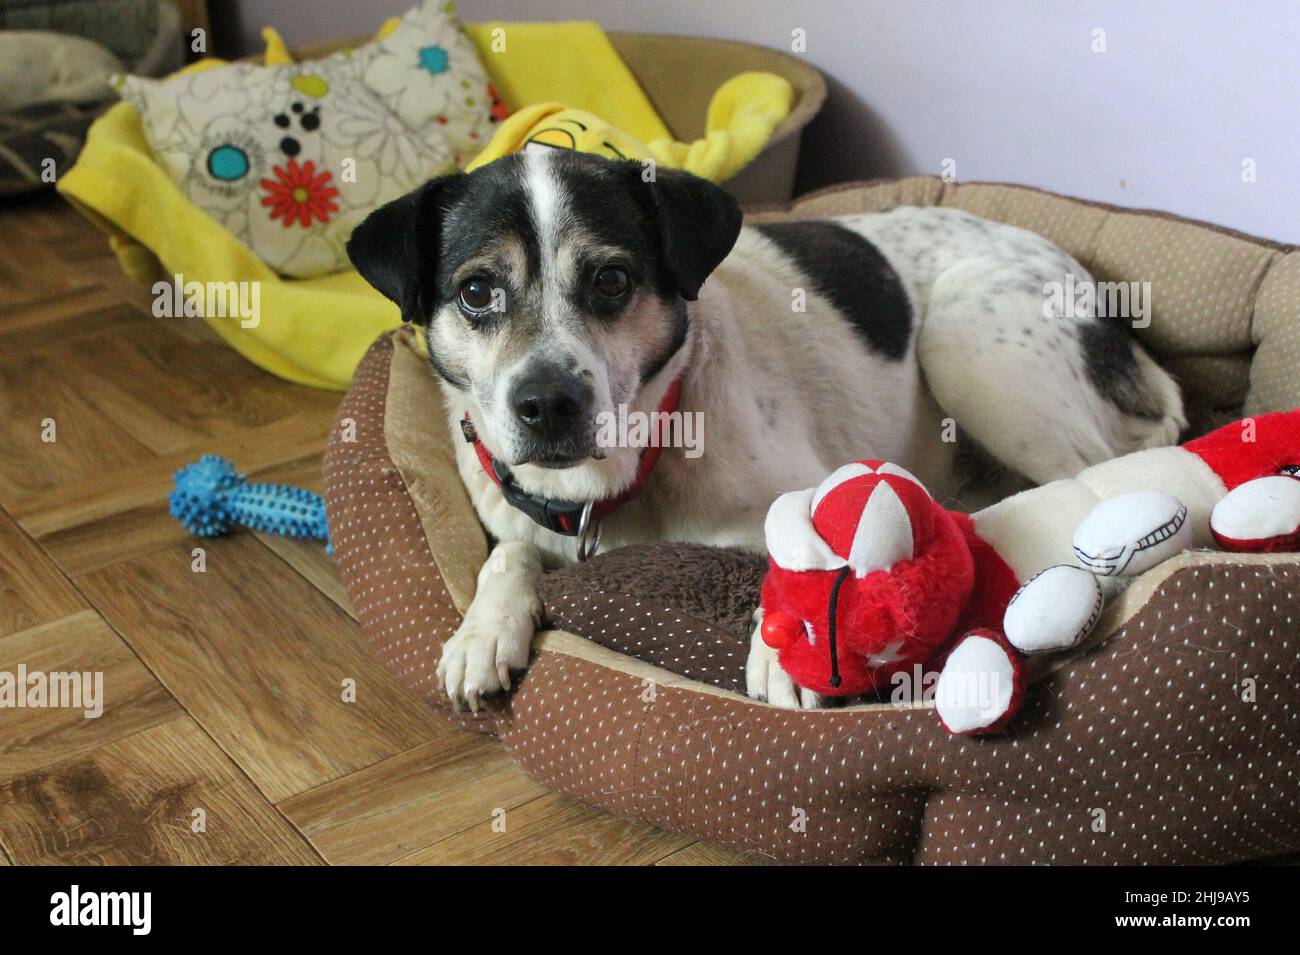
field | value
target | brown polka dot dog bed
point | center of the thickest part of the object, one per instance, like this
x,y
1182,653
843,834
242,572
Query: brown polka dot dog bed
x,y
1173,738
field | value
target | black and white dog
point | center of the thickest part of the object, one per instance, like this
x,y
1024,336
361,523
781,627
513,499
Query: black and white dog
x,y
555,288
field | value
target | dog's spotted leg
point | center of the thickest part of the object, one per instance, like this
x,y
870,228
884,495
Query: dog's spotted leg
x,y
766,680
1044,392
495,636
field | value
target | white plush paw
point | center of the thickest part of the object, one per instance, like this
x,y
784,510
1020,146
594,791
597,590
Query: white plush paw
x,y
1054,610
477,661
1131,533
766,680
1257,513
977,689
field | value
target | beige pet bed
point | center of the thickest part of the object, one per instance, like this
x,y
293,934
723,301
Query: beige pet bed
x,y
1145,749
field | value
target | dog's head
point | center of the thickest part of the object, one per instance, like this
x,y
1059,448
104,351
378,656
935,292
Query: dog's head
x,y
552,287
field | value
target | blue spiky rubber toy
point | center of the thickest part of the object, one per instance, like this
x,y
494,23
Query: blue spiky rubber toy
x,y
211,497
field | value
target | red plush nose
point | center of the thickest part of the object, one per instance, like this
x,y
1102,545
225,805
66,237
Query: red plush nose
x,y
781,629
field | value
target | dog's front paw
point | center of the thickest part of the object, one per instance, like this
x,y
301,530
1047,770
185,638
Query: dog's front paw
x,y
478,660
766,680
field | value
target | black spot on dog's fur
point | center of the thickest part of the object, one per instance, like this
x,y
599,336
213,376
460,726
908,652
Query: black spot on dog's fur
x,y
483,209
676,227
601,202
851,273
1112,368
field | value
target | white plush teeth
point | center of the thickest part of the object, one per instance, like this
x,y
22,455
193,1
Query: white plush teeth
x,y
1054,610
1264,508
1131,533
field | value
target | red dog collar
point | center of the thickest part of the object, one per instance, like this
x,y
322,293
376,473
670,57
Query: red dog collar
x,y
565,517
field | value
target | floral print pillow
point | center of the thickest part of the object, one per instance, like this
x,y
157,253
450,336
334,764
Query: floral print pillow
x,y
292,158
428,73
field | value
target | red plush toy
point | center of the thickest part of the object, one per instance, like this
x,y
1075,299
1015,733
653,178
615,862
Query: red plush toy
x,y
870,578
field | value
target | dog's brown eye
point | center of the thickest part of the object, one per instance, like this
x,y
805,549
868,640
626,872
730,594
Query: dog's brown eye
x,y
475,295
612,282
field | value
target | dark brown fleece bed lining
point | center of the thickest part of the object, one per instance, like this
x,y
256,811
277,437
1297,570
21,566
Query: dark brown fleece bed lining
x,y
680,607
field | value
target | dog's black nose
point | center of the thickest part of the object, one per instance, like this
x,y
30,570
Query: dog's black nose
x,y
549,402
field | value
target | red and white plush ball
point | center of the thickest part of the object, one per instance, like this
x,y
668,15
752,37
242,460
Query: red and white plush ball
x,y
869,577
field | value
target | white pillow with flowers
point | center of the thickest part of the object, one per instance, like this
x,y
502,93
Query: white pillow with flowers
x,y
428,72
289,159
292,158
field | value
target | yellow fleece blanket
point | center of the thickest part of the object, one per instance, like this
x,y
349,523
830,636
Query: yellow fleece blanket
x,y
314,331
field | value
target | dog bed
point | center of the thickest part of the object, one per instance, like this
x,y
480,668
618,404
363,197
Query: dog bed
x,y
1175,738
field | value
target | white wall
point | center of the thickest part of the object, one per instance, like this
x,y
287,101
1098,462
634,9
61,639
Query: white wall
x,y
1009,89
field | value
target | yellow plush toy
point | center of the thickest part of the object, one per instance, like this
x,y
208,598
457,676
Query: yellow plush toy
x,y
742,115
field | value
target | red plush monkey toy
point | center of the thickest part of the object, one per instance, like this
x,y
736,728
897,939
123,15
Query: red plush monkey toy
x,y
869,577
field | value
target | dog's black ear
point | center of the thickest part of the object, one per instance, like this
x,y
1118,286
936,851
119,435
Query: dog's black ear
x,y
698,224
396,248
